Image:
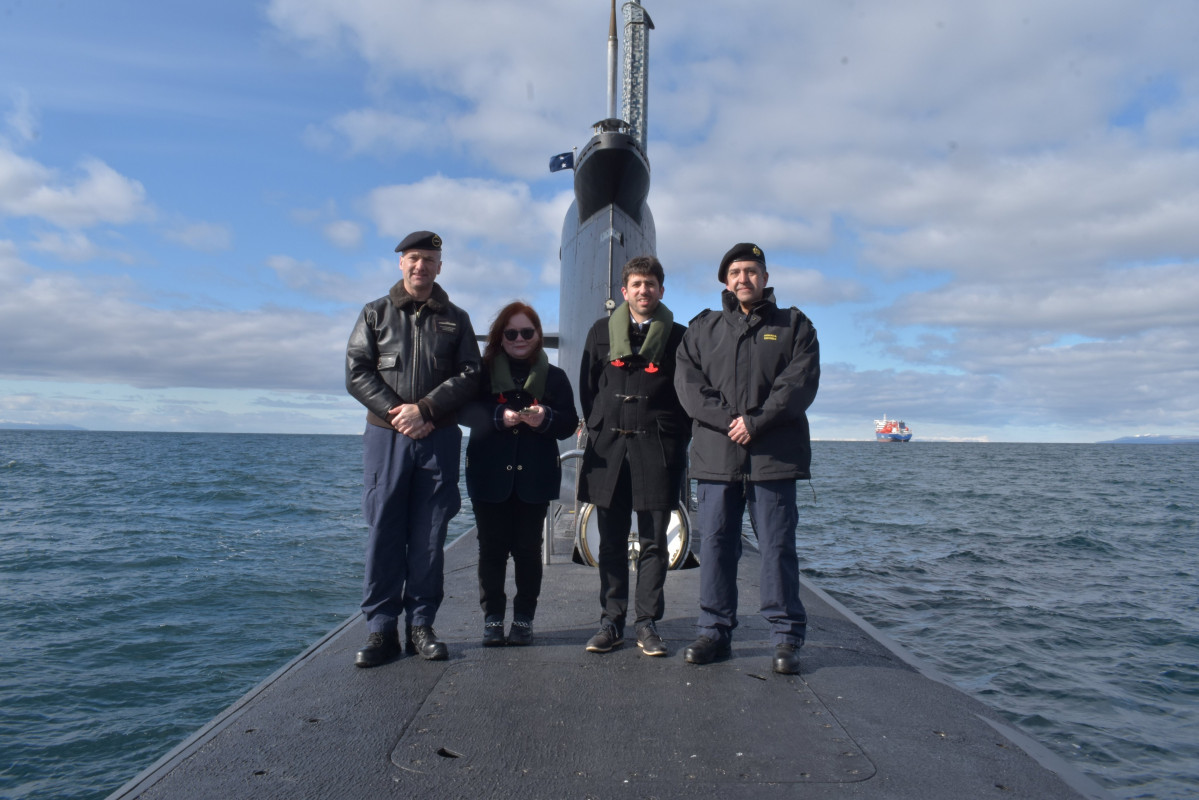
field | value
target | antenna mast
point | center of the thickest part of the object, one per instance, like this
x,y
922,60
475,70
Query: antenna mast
x,y
637,26
612,63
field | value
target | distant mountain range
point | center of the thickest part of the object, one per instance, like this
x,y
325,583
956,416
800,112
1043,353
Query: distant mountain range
x,y
1153,438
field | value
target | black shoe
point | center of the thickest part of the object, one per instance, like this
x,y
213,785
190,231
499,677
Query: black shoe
x,y
705,650
423,640
607,639
493,633
786,659
380,648
521,633
649,641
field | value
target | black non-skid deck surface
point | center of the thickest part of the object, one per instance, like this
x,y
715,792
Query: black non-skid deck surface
x,y
552,720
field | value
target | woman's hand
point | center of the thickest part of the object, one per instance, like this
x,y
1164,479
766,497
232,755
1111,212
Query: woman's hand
x,y
533,416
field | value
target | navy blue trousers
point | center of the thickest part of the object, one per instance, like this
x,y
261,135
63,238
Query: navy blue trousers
x,y
410,494
775,516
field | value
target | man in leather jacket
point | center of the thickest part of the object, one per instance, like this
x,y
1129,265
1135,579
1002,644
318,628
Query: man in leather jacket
x,y
746,374
413,361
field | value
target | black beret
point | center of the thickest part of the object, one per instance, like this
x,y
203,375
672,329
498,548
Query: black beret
x,y
421,240
746,251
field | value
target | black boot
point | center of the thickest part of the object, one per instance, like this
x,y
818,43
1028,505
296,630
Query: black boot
x,y
786,659
705,650
493,632
422,639
521,633
380,648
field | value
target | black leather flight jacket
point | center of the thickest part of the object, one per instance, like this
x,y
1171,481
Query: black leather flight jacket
x,y
402,351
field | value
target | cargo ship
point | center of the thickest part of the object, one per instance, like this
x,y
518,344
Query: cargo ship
x,y
891,430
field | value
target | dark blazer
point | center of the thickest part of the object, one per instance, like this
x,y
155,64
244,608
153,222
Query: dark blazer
x,y
632,415
501,461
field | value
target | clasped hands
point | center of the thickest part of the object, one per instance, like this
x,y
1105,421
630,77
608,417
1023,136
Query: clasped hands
x,y
532,416
407,419
738,432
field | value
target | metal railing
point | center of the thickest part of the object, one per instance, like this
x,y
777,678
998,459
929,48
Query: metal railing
x,y
555,510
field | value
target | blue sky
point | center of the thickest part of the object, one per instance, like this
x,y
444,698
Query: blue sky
x,y
989,210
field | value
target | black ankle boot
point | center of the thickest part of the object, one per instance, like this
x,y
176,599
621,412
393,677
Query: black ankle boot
x,y
423,640
380,648
493,633
521,633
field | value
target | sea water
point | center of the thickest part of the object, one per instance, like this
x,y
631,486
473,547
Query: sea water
x,y
149,580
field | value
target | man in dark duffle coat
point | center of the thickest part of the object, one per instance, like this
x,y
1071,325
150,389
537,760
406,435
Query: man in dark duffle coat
x,y
747,374
636,451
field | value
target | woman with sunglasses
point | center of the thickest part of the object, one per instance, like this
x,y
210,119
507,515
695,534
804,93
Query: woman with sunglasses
x,y
512,470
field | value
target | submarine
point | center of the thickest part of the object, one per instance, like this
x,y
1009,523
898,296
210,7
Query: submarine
x,y
864,719
609,220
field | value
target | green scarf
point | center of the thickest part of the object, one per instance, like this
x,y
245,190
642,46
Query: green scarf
x,y
655,339
501,375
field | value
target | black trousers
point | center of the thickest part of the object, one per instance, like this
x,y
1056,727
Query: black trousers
x,y
615,522
511,528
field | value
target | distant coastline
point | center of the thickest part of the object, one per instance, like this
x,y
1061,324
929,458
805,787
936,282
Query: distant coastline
x,y
1153,438
34,426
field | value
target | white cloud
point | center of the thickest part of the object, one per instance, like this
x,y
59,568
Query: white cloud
x,y
1110,304
74,246
109,336
310,279
19,178
808,287
473,209
12,268
22,120
344,233
207,237
100,195
372,130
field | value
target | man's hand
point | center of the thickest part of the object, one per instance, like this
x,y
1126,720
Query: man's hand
x,y
407,419
421,431
511,418
737,431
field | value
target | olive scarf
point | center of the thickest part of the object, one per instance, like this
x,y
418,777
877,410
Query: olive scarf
x,y
501,375
655,340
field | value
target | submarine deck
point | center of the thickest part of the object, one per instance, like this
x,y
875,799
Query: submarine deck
x,y
863,720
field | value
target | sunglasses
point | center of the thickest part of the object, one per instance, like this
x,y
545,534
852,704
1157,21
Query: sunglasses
x,y
524,333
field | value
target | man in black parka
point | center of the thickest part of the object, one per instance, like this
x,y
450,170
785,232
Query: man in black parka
x,y
636,452
747,374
